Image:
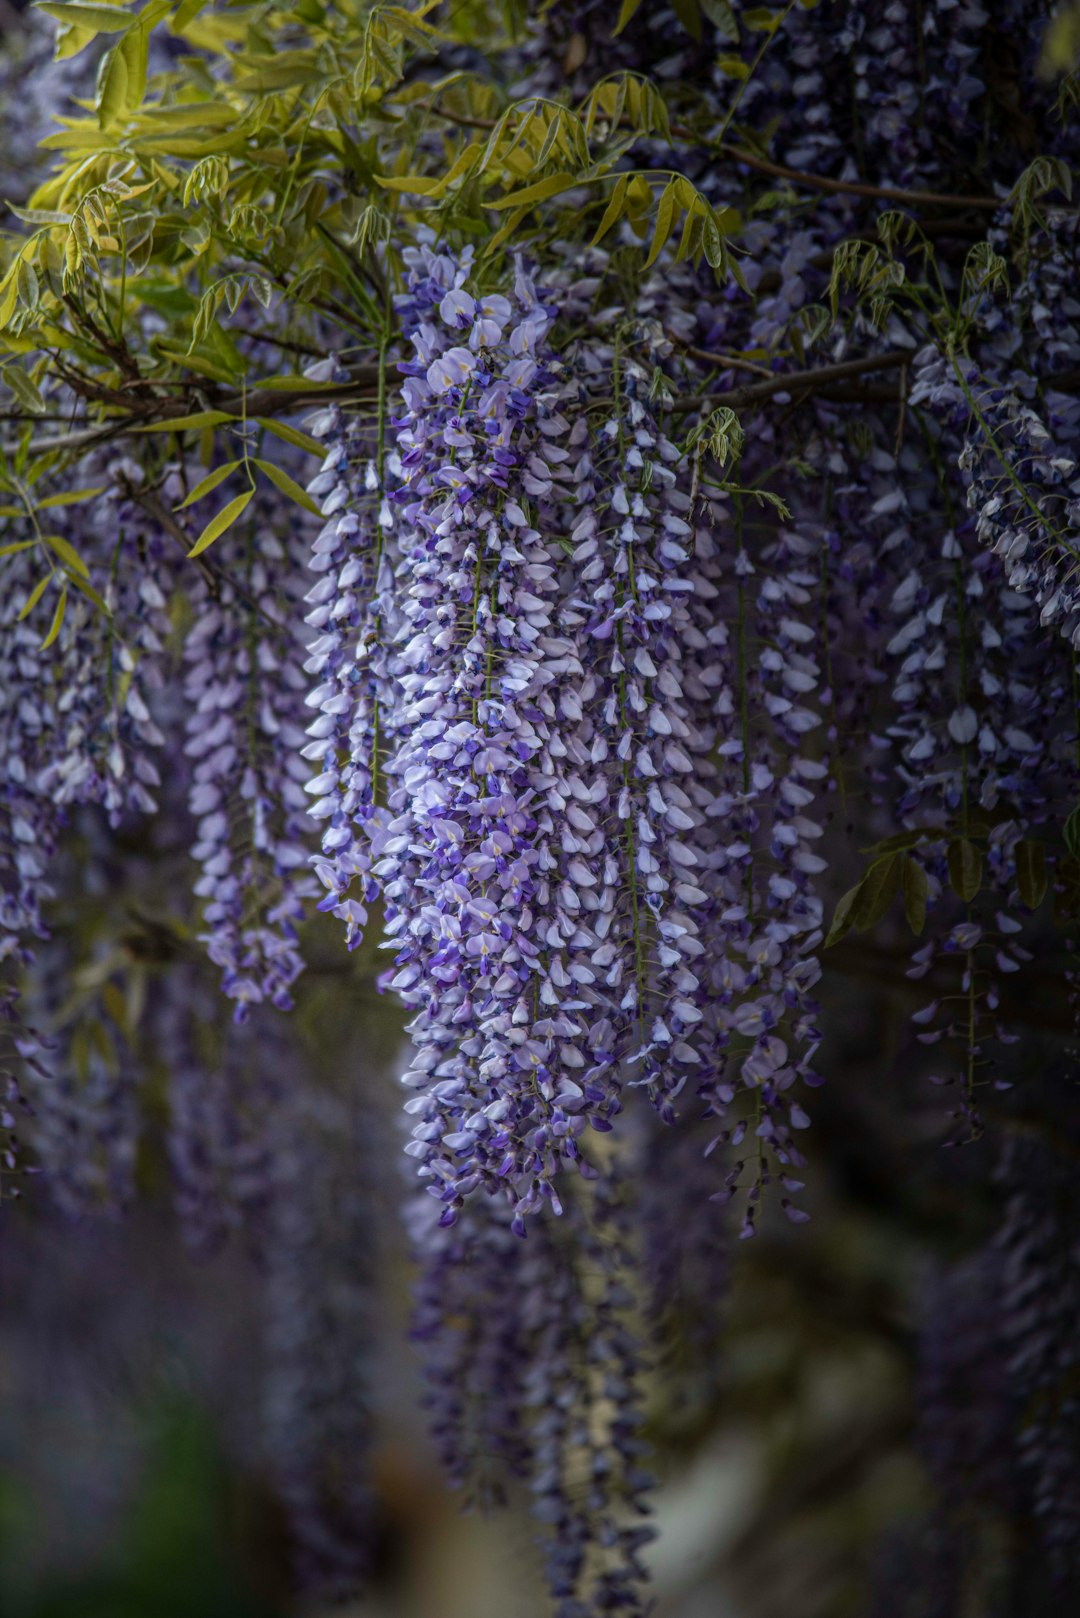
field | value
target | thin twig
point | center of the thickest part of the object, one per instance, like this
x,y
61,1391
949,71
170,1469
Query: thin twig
x,y
853,188
733,362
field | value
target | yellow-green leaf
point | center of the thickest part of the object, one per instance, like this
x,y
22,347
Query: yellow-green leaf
x,y
208,484
420,185
965,868
181,424
9,296
112,98
35,596
134,47
57,620
665,220
762,19
69,497
70,41
88,590
224,519
186,12
24,390
67,553
626,13
613,211
292,435
86,14
288,486
539,191
17,545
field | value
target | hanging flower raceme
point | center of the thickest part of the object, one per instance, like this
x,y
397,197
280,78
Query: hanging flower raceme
x,y
224,1091
977,690
29,820
108,666
533,1373
636,872
350,610
1023,489
766,929
244,687
477,902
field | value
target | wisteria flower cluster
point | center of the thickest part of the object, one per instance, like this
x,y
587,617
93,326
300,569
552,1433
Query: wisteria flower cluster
x,y
673,616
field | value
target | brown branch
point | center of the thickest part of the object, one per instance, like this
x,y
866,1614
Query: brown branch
x,y
853,188
814,380
268,401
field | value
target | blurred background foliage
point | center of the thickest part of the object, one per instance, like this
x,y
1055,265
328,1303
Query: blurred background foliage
x,y
791,1459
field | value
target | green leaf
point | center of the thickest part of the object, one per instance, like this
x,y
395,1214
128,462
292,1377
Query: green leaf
x,y
86,14
877,890
24,390
1061,43
689,15
57,620
613,211
180,424
70,41
35,596
91,594
723,19
17,545
135,49
224,519
67,553
208,484
538,192
112,94
292,435
843,915
1071,833
419,185
626,13
186,12
733,67
1031,877
69,497
762,20
288,486
915,894
665,220
965,868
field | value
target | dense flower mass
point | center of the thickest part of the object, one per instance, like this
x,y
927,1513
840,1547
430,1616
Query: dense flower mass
x,y
686,590
244,691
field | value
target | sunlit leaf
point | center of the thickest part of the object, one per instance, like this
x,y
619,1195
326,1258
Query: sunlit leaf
x,y
35,595
212,481
224,519
57,620
288,486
